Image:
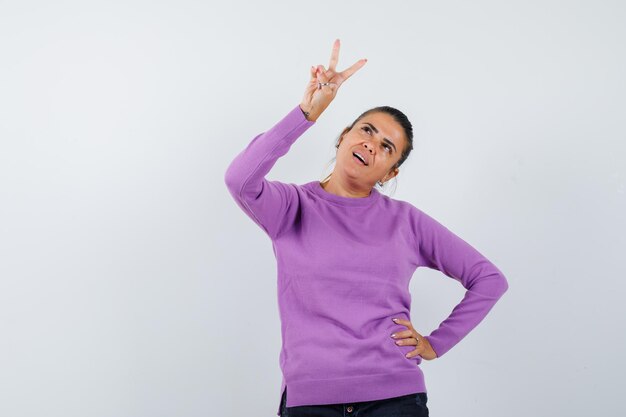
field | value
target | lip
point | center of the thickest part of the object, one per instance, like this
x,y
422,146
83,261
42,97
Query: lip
x,y
363,154
358,161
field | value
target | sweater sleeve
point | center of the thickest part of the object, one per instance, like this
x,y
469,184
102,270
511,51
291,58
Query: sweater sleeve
x,y
442,250
272,205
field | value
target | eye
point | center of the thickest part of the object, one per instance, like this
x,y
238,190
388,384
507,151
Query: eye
x,y
388,147
367,128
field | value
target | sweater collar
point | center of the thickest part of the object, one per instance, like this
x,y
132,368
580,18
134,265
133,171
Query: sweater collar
x,y
317,188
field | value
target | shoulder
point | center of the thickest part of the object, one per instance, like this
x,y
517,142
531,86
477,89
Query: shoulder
x,y
420,220
401,206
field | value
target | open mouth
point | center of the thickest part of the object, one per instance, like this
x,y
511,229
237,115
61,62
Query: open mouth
x,y
358,158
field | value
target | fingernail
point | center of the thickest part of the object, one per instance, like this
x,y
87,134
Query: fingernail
x,y
393,335
394,319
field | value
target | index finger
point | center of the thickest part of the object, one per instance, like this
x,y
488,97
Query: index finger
x,y
334,56
347,73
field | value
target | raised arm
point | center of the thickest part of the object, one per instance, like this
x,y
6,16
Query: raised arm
x,y
442,250
273,205
270,204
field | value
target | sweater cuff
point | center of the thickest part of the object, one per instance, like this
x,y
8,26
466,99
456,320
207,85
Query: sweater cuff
x,y
435,344
304,115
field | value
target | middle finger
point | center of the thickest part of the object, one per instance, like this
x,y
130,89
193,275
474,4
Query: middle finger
x,y
402,334
408,341
347,73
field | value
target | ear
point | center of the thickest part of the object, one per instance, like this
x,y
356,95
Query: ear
x,y
391,174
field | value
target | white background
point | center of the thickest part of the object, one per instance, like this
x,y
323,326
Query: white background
x,y
132,285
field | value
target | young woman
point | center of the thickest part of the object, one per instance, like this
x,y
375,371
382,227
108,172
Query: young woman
x,y
345,256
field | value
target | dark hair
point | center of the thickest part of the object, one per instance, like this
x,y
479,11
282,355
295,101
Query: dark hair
x,y
399,117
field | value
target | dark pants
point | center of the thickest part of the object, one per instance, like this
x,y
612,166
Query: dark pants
x,y
410,405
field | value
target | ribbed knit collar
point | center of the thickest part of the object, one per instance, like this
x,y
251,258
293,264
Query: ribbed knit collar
x,y
316,187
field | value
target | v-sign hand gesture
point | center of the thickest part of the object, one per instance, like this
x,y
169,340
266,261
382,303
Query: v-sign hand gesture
x,y
324,83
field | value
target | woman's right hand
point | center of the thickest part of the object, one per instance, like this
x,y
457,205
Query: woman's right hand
x,y
316,99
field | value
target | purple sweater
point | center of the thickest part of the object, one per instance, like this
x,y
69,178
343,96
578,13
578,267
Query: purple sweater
x,y
344,266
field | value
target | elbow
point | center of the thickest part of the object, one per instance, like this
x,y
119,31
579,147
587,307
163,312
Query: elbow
x,y
498,282
488,281
502,285
492,284
232,180
238,182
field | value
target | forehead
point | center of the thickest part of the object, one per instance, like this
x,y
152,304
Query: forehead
x,y
387,127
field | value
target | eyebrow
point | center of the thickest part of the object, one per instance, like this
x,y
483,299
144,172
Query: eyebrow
x,y
384,139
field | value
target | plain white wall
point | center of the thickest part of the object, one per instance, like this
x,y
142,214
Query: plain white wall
x,y
132,285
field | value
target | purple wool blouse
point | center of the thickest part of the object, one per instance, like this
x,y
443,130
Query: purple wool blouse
x,y
343,271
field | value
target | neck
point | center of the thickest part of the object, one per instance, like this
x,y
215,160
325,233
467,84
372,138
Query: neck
x,y
346,189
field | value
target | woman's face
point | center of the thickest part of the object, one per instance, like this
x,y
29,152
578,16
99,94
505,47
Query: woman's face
x,y
380,140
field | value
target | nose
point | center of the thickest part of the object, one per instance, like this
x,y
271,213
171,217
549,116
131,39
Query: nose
x,y
368,147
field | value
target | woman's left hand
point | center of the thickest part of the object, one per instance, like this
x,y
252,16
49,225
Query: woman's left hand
x,y
412,337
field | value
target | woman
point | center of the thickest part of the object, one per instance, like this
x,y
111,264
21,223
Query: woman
x,y
345,256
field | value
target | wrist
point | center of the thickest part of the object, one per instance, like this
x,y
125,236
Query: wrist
x,y
309,114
